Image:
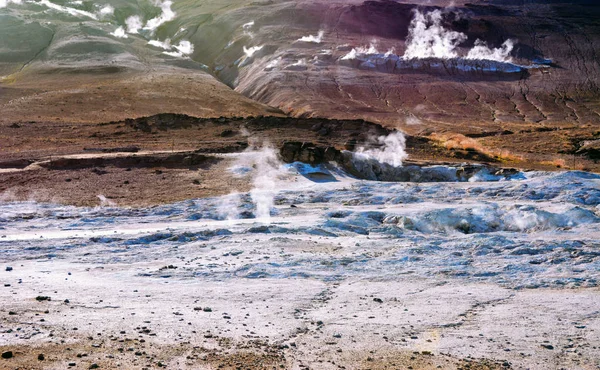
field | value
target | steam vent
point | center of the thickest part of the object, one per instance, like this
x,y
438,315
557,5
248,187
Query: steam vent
x,y
299,184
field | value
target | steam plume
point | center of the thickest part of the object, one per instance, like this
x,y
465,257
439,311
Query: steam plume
x,y
120,33
265,169
4,3
361,50
250,52
134,24
167,15
392,150
481,51
314,39
428,38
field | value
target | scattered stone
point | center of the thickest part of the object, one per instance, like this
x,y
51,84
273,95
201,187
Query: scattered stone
x,y
94,366
169,267
7,354
42,298
8,268
99,172
378,300
548,346
41,357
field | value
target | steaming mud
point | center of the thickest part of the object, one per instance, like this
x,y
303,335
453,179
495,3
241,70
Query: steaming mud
x,y
443,260
544,226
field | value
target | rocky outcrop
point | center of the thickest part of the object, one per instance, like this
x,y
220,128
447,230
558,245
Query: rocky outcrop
x,y
296,151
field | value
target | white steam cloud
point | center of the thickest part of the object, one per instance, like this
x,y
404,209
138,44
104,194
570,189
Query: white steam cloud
x,y
228,208
134,24
161,44
107,10
265,168
273,64
120,33
167,15
354,53
251,51
65,9
184,49
4,3
391,150
313,39
428,38
482,52
268,168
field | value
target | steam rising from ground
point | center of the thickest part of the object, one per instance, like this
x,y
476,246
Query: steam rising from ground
x,y
4,3
184,49
228,207
428,38
250,51
120,33
391,150
134,24
313,39
167,15
265,169
361,50
482,52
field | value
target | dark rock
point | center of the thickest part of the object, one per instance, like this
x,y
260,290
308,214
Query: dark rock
x,y
7,354
378,300
548,346
8,268
16,163
41,357
295,151
94,366
228,133
99,172
42,298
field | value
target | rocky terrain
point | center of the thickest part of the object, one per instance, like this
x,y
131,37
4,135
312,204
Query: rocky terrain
x,y
299,184
535,92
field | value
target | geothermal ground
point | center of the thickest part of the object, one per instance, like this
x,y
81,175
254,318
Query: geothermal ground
x,y
495,272
199,184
